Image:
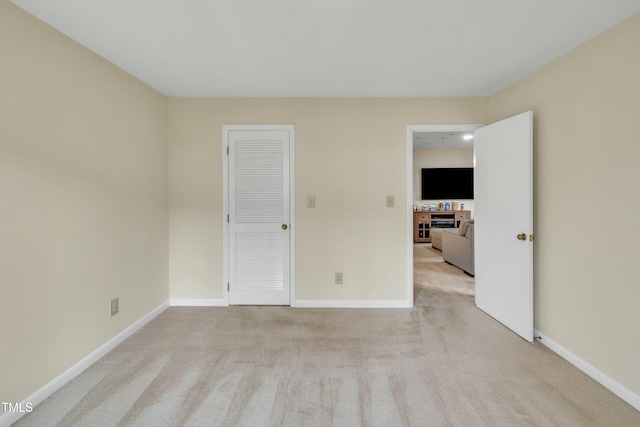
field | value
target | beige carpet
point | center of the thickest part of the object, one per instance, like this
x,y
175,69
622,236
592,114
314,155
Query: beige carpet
x,y
441,363
431,272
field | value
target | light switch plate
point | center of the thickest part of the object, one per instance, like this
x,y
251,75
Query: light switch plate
x,y
311,201
115,306
390,201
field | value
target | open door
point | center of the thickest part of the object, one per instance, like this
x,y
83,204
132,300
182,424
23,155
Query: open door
x,y
503,229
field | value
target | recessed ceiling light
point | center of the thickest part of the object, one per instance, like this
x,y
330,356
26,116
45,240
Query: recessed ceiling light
x,y
468,136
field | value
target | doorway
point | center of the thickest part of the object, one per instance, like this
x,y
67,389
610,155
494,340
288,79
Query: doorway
x,y
427,265
503,234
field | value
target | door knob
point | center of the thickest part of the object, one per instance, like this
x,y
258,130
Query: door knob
x,y
284,226
522,236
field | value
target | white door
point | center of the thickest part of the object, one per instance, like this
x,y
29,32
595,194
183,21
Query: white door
x,y
259,217
503,229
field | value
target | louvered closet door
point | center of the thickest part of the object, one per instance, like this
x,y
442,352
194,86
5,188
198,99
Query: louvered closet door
x,y
259,217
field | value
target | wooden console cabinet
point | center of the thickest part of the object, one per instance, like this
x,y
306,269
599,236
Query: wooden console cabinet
x,y
424,221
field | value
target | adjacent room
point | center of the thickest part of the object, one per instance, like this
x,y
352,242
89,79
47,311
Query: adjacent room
x,y
213,213
443,203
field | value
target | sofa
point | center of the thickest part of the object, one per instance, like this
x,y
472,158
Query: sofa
x,y
457,248
436,236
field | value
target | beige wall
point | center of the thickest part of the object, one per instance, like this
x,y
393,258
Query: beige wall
x,y
350,154
83,212
587,199
439,158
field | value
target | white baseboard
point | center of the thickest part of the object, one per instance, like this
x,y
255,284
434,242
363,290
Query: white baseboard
x,y
212,302
612,385
54,385
352,304
197,302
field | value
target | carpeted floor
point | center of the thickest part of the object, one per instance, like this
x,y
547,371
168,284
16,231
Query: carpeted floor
x,y
431,272
441,363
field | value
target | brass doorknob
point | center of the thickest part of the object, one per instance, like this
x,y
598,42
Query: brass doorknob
x,y
522,236
284,226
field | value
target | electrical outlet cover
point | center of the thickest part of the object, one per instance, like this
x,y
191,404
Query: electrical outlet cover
x,y
115,306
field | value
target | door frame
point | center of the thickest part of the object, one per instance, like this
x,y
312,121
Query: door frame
x,y
411,129
225,206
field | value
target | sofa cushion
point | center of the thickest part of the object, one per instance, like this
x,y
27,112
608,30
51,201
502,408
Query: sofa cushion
x,y
462,231
469,233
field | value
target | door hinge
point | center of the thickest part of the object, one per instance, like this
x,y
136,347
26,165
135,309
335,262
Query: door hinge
x,y
227,217
531,237
227,286
227,150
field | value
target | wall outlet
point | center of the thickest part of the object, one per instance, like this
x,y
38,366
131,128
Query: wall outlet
x,y
390,201
311,201
338,278
115,306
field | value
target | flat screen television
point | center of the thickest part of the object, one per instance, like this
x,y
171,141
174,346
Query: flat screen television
x,y
447,183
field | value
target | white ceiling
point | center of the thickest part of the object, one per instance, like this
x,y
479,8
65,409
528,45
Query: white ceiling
x,y
441,140
330,47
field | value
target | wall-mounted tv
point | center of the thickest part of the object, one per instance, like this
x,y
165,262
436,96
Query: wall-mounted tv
x,y
447,183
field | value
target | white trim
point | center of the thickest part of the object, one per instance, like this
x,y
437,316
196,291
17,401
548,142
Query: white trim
x,y
225,212
612,385
198,302
409,210
410,130
467,127
292,217
225,205
353,304
58,382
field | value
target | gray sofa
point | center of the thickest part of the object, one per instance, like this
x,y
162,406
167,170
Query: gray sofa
x,y
436,236
457,248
